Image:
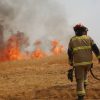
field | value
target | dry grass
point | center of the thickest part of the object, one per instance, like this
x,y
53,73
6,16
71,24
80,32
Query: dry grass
x,y
41,79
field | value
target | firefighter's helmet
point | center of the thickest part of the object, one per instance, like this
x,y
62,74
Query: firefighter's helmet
x,y
79,29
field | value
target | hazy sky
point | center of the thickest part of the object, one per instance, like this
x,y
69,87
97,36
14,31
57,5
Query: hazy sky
x,y
48,19
86,12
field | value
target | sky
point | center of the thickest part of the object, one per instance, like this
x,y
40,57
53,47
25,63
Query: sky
x,y
50,19
86,12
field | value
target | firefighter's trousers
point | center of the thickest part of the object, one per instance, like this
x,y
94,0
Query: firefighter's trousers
x,y
81,78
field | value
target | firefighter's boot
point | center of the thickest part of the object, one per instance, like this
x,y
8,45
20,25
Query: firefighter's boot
x,y
80,97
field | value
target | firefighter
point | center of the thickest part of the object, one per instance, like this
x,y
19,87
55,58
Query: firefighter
x,y
80,56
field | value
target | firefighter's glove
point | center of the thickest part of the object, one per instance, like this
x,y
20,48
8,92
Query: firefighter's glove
x,y
70,75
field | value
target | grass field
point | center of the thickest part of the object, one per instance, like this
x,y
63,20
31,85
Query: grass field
x,y
42,79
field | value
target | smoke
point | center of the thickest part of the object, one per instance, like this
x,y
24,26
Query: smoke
x,y
38,19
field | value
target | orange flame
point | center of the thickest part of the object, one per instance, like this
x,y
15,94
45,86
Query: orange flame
x,y
12,50
13,54
38,53
56,47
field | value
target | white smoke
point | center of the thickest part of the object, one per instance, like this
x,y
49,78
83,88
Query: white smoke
x,y
39,19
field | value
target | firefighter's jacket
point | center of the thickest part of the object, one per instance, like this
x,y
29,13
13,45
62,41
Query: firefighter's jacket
x,y
80,50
